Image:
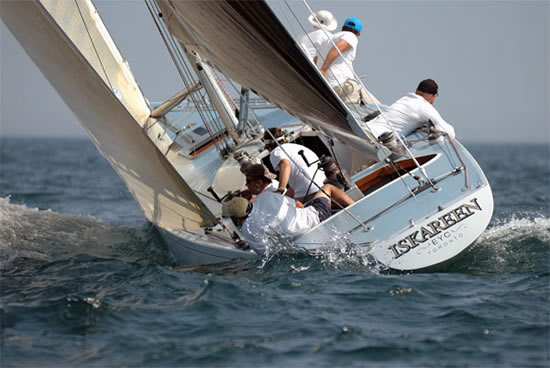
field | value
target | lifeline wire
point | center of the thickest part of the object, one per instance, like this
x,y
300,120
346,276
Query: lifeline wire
x,y
365,227
326,34
422,170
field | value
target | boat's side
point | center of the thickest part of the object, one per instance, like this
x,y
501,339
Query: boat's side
x,y
406,224
189,248
440,237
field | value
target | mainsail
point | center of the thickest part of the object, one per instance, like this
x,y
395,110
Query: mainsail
x,y
69,44
247,41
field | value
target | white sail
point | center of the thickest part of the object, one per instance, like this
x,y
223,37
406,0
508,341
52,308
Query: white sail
x,y
247,41
70,45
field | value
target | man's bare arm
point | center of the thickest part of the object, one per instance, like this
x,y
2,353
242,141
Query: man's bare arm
x,y
343,46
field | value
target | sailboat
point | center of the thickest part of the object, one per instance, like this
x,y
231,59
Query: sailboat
x,y
421,200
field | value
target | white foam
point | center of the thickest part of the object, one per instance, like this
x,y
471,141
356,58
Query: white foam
x,y
517,229
45,235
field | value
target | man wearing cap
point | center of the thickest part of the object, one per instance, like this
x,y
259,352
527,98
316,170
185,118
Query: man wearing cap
x,y
317,43
272,213
288,161
411,112
257,176
339,71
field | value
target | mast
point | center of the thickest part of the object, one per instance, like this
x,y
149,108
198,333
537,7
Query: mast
x,y
217,97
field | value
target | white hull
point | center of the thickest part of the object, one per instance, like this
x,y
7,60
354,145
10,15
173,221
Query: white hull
x,y
406,235
192,249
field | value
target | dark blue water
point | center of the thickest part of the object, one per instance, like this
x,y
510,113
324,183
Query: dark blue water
x,y
87,282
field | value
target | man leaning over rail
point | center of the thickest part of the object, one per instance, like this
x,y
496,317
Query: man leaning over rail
x,y
411,112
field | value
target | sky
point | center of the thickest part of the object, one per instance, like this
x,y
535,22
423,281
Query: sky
x,y
491,59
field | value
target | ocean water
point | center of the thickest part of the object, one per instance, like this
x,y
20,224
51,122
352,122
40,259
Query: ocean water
x,y
87,282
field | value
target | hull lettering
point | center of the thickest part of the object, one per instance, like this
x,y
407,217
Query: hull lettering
x,y
436,230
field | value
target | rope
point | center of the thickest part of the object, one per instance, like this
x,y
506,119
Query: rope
x,y
329,37
183,70
422,170
407,186
365,227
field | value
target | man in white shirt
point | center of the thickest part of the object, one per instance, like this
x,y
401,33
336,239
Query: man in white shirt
x,y
287,160
272,214
317,43
411,112
339,70
255,186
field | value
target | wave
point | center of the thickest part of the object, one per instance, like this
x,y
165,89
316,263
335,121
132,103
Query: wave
x,y
511,245
520,243
48,236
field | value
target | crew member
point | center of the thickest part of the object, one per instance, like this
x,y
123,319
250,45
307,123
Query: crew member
x,y
411,112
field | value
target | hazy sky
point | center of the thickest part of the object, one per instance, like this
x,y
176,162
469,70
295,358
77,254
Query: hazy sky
x,y
491,60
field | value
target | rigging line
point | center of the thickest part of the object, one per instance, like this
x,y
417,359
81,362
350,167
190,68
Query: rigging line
x,y
208,116
205,113
179,62
211,109
407,186
365,227
93,44
448,147
171,45
167,41
467,182
288,21
422,170
181,66
159,28
329,36
212,123
192,33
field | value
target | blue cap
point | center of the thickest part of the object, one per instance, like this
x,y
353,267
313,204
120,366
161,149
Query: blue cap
x,y
353,23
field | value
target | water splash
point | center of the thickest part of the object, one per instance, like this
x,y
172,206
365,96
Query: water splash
x,y
511,245
338,253
48,236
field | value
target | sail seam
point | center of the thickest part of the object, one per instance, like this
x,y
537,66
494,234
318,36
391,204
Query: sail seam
x,y
93,44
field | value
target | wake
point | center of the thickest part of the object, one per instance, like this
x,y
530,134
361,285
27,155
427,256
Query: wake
x,y
48,236
512,245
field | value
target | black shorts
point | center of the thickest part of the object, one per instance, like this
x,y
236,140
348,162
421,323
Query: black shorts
x,y
322,205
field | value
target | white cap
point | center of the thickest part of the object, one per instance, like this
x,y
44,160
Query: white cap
x,y
326,20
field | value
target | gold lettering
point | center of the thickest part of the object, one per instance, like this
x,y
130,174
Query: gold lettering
x,y
448,220
459,213
413,240
403,244
436,227
426,234
474,206
394,250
